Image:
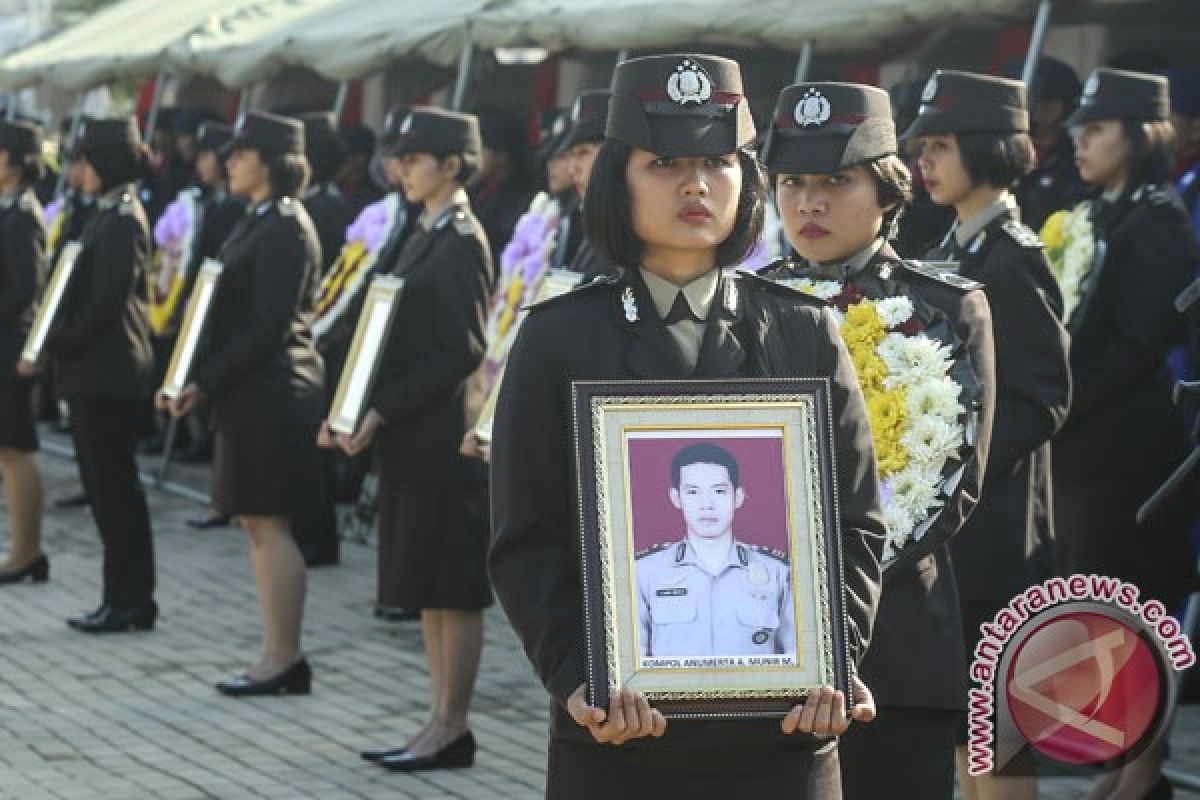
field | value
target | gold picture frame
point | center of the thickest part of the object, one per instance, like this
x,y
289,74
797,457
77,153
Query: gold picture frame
x,y
554,283
52,298
195,317
366,349
751,636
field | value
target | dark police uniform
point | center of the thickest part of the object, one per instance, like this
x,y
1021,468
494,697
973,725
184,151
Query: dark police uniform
x,y
101,343
1124,436
22,273
1005,546
433,501
752,329
257,364
916,666
327,207
588,117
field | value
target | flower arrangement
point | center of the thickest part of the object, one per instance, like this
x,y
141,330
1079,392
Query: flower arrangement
x,y
174,234
55,220
916,409
1071,248
355,264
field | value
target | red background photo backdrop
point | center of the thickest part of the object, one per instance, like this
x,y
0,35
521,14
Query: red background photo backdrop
x,y
762,519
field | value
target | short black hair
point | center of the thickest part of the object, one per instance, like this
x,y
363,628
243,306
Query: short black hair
x,y
998,160
705,453
893,187
1151,156
608,211
31,165
287,173
117,164
467,169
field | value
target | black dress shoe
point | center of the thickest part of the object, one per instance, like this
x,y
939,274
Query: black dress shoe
x,y
118,619
459,753
209,522
375,756
75,622
72,501
37,571
296,679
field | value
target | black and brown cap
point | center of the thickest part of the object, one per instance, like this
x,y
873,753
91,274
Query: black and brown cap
x,y
20,138
820,128
107,133
680,105
268,133
589,116
966,102
434,130
553,124
213,136
1120,94
321,133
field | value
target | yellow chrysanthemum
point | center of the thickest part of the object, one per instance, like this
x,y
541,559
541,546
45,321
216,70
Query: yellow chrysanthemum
x,y
1053,230
887,415
863,326
870,368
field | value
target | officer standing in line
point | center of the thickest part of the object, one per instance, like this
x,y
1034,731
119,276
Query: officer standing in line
x,y
711,594
323,199
581,144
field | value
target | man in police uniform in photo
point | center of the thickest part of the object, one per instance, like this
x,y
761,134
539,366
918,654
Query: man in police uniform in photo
x,y
710,594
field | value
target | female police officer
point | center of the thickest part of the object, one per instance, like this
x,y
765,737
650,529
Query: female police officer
x,y
100,340
673,197
22,268
840,190
262,375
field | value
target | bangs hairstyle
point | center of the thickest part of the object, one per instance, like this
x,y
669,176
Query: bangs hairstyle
x,y
608,210
1151,153
998,160
287,173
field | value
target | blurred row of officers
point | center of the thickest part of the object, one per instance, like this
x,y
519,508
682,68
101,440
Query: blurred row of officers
x,y
659,188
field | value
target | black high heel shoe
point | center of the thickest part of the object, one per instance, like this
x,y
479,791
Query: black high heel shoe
x,y
296,679
459,753
375,756
37,571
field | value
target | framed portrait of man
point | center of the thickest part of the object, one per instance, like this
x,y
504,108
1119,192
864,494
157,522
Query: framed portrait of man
x,y
194,318
710,542
52,298
366,348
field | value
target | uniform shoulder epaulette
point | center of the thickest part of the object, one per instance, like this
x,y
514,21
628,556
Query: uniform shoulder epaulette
x,y
779,268
126,205
1153,194
1022,234
772,552
942,275
598,282
756,281
652,549
286,206
462,223
26,201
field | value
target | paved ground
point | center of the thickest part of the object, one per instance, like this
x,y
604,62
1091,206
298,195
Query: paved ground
x,y
135,717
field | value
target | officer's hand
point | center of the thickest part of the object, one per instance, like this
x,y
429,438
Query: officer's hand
x,y
629,716
325,436
185,401
360,441
162,402
474,447
27,369
824,712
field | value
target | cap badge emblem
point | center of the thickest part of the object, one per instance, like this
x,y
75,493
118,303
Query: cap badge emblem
x,y
689,84
931,89
1092,85
560,126
406,126
813,109
240,125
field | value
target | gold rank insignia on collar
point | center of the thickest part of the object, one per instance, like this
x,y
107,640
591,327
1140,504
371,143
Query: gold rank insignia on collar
x,y
629,303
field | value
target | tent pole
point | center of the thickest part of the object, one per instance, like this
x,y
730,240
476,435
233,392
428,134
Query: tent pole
x,y
11,112
155,103
622,55
1040,25
804,62
464,72
243,101
64,162
339,103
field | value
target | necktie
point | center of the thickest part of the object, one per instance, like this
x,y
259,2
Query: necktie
x,y
680,311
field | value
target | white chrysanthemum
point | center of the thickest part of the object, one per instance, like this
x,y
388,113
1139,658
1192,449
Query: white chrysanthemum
x,y
931,440
894,311
539,202
915,491
825,290
937,398
912,360
899,523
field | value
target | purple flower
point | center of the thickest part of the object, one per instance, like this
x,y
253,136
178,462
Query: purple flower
x,y
173,225
51,211
371,226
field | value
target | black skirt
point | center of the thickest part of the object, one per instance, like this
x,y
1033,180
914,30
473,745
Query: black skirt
x,y
433,541
272,472
718,771
18,429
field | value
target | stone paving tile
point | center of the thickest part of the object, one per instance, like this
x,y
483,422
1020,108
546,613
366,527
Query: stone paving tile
x,y
135,717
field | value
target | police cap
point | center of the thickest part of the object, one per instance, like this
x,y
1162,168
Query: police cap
x,y
1119,94
819,128
965,102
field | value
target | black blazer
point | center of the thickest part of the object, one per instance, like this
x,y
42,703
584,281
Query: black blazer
x,y
430,387
100,336
1005,546
765,331
22,273
917,654
257,364
331,215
